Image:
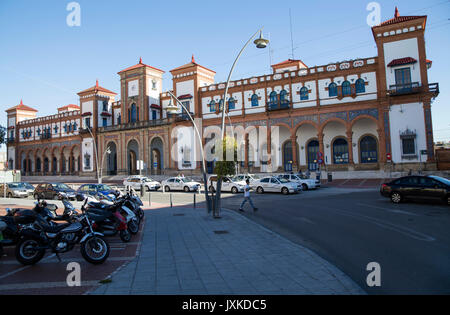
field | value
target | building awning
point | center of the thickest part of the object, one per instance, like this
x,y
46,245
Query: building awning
x,y
155,106
185,96
86,114
106,114
402,61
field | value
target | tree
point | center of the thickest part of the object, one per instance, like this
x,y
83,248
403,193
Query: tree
x,y
225,166
2,135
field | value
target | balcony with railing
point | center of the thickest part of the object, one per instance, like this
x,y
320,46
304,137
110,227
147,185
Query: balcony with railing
x,y
135,125
278,105
413,88
46,136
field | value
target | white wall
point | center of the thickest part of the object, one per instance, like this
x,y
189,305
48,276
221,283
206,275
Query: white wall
x,y
402,117
187,87
401,49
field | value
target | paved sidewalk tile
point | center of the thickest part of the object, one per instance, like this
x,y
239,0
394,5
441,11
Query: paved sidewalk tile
x,y
186,255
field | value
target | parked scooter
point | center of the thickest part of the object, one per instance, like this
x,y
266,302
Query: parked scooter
x,y
61,238
111,218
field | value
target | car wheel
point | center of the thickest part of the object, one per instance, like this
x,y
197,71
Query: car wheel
x,y
9,195
211,189
304,187
260,190
285,191
396,197
234,190
186,189
166,188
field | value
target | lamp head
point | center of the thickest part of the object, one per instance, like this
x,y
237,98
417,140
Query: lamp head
x,y
171,109
261,42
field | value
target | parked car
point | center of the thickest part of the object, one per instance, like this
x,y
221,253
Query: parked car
x,y
14,190
417,187
180,183
274,184
306,183
244,177
30,188
228,184
136,181
93,189
54,191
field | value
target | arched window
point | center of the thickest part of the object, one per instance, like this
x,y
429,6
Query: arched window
x,y
360,86
283,97
220,105
255,100
304,93
312,151
231,103
369,150
133,113
346,88
212,106
332,90
273,98
340,151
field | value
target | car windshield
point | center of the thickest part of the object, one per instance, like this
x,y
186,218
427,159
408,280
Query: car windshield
x,y
303,176
441,179
104,187
16,185
148,180
28,186
60,186
283,180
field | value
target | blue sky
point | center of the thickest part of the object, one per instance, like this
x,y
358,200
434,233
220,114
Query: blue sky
x,y
46,62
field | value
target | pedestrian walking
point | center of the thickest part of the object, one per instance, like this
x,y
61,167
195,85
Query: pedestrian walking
x,y
247,197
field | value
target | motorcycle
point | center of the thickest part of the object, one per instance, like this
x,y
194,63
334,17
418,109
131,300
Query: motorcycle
x,y
16,219
111,218
61,238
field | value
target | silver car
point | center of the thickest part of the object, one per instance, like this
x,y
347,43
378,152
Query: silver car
x,y
135,182
14,190
180,183
274,184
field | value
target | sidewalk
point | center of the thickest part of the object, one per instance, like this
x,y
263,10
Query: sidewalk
x,y
185,251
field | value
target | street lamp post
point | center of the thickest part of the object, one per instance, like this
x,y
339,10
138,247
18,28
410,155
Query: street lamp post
x,y
261,43
99,180
174,109
108,151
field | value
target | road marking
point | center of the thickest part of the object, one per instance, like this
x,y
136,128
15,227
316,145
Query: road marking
x,y
305,220
10,262
387,225
388,209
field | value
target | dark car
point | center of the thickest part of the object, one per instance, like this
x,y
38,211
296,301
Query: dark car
x,y
54,191
417,187
93,189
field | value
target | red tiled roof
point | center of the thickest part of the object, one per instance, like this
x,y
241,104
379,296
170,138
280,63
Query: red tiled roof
x,y
401,61
140,65
185,96
69,106
191,64
287,62
398,19
21,106
97,88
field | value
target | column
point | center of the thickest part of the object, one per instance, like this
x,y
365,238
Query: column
x,y
350,145
295,164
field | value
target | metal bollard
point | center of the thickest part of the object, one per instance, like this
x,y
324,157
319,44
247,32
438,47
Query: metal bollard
x,y
142,190
171,205
149,199
195,201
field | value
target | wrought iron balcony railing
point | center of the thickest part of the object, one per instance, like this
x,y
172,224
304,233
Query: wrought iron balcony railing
x,y
413,88
279,105
135,125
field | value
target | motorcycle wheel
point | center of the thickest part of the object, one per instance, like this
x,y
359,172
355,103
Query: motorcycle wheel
x,y
125,236
141,213
95,250
27,252
133,226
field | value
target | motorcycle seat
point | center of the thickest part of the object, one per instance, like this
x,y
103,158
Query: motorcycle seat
x,y
56,228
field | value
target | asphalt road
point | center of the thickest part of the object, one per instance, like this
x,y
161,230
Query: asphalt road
x,y
410,241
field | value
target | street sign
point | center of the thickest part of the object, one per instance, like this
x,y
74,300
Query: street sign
x,y
155,164
388,156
